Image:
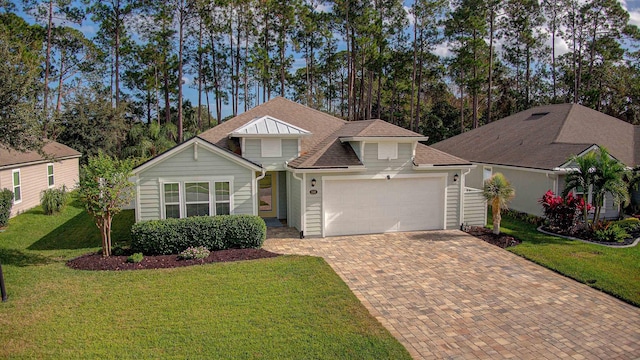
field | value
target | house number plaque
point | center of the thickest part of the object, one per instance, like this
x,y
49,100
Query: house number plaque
x,y
313,192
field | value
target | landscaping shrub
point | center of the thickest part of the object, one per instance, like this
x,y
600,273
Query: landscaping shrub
x,y
562,213
6,203
171,236
135,258
54,200
610,233
522,216
199,252
629,224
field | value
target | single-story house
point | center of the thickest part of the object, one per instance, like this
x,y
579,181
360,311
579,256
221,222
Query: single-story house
x,y
28,173
532,149
325,176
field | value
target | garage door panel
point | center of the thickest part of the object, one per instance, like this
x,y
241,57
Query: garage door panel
x,y
376,206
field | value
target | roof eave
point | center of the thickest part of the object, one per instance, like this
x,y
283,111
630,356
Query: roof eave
x,y
284,136
326,169
384,138
41,161
443,166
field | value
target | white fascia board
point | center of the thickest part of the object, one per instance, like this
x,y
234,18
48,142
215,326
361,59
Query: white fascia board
x,y
442,167
325,170
404,139
258,136
521,168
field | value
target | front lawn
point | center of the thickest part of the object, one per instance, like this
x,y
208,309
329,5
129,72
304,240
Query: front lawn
x,y
614,271
285,307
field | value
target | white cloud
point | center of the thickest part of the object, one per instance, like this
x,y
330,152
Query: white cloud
x,y
443,50
634,17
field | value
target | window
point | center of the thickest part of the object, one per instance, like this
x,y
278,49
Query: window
x,y
579,193
486,173
387,150
223,198
172,200
271,147
50,175
197,199
17,189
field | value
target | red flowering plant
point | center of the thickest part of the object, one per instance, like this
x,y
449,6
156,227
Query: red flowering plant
x,y
563,214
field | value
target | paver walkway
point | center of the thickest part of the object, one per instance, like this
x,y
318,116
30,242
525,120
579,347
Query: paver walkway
x,y
445,294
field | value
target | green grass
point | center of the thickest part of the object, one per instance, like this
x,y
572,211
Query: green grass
x,y
614,271
285,307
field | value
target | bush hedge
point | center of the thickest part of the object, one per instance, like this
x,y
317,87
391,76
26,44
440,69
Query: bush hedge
x,y
172,236
54,200
6,203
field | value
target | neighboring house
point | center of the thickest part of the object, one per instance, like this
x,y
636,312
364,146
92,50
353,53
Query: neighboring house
x,y
325,176
532,148
27,174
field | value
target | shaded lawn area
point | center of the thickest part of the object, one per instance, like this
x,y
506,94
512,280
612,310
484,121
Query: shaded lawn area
x,y
285,307
614,271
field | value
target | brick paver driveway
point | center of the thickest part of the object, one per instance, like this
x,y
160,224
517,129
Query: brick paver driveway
x,y
444,294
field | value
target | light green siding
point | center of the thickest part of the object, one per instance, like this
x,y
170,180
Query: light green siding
x,y
253,152
529,187
401,165
453,204
182,166
475,208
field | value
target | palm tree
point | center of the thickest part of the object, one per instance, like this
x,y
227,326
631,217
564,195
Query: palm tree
x,y
602,174
609,179
581,178
498,191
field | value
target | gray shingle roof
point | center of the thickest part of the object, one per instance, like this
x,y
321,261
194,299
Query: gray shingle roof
x,y
53,149
544,137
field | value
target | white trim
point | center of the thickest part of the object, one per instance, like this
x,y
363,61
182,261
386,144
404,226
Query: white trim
x,y
214,149
138,206
325,170
442,167
163,209
520,168
53,175
182,180
216,201
13,185
399,139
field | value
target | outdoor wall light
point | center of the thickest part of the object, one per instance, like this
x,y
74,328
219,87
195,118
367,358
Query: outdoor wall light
x,y
455,178
313,182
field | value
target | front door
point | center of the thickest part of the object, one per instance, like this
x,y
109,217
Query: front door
x,y
267,195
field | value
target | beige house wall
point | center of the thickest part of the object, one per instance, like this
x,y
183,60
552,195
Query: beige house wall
x,y
34,179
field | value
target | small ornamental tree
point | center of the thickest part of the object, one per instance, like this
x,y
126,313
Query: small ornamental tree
x,y
105,188
498,191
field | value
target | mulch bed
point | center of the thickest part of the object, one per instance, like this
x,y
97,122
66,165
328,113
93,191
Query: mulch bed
x,y
501,240
96,261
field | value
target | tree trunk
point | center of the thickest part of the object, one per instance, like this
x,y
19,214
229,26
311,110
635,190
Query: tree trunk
x,y
495,209
490,84
200,77
180,51
413,75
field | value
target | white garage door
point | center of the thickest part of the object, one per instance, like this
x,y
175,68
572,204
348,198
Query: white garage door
x,y
381,205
